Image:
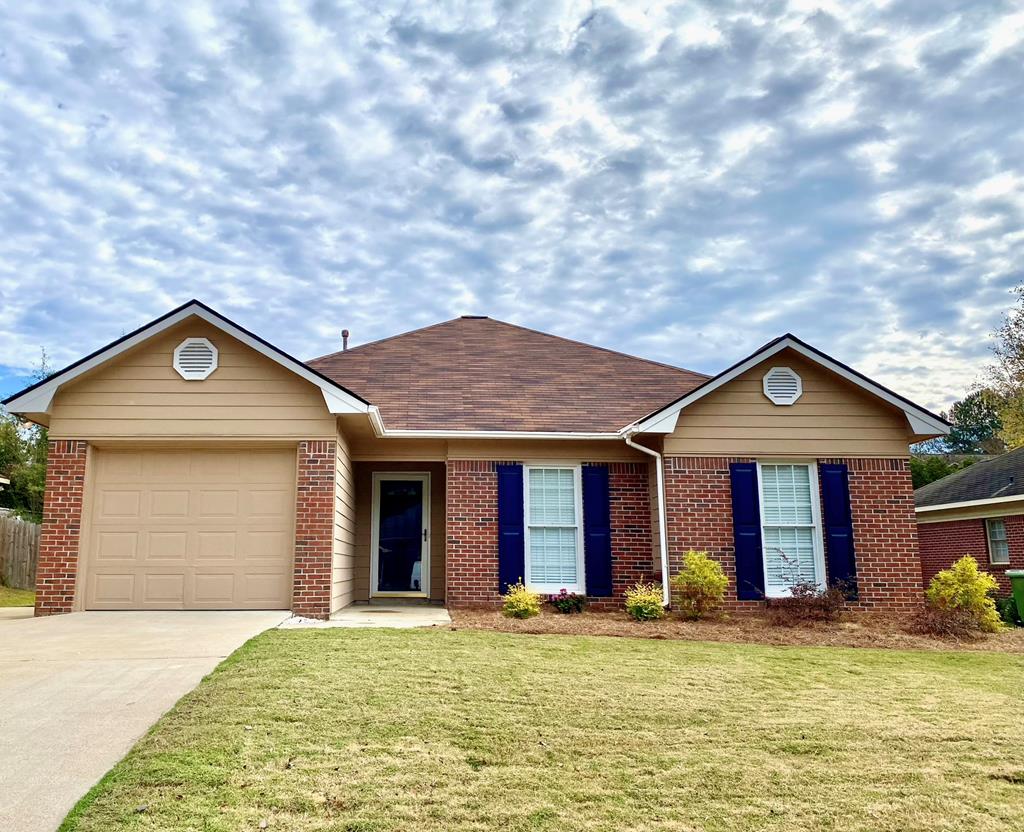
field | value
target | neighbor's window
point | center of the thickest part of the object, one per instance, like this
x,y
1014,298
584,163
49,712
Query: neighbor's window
x,y
790,527
554,545
998,546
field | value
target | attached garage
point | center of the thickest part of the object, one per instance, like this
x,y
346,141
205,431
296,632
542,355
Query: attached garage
x,y
190,529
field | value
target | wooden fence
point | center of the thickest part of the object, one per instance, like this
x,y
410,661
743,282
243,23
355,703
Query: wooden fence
x,y
19,552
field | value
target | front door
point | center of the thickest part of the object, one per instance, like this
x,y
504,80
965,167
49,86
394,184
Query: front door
x,y
400,542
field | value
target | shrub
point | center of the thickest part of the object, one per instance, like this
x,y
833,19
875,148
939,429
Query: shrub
x,y
946,623
519,602
567,602
964,587
643,602
698,589
807,602
1007,609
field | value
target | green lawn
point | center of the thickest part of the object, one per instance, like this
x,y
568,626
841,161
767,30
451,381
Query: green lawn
x,y
16,597
440,730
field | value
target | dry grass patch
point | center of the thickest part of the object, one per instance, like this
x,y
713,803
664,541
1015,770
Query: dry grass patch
x,y
856,631
438,730
10,597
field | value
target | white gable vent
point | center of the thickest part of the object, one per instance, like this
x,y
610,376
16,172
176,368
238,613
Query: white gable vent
x,y
782,385
195,359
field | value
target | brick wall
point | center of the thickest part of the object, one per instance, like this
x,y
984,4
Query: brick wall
x,y
944,543
314,528
62,523
472,529
699,500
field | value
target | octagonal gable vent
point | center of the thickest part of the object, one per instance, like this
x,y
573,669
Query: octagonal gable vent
x,y
195,359
782,386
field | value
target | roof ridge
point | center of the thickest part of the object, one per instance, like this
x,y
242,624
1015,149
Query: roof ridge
x,y
383,340
521,328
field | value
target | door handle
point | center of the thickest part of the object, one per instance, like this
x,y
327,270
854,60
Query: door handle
x,y
424,535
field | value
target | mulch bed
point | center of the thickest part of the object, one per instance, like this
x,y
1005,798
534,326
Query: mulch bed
x,y
854,631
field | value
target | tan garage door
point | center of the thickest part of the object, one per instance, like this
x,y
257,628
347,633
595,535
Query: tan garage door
x,y
190,530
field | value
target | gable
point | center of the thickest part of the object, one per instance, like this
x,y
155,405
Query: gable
x,y
140,394
831,418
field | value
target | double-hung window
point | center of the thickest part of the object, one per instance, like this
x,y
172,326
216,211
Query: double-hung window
x,y
998,545
790,527
554,528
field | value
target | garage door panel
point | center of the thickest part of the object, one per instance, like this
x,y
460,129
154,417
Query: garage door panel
x,y
198,529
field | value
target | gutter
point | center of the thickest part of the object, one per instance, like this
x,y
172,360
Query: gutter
x,y
662,520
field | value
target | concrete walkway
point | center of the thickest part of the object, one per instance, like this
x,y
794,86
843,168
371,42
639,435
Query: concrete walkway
x,y
77,691
366,615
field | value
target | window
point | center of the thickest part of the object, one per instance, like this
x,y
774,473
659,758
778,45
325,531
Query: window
x,y
790,527
998,546
554,542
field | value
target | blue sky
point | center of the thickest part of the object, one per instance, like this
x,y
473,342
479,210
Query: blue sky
x,y
681,182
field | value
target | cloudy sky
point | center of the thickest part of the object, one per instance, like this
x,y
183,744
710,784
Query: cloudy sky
x,y
683,182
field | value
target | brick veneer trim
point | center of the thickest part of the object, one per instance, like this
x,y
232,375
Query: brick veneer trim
x,y
698,499
472,531
60,538
314,528
946,542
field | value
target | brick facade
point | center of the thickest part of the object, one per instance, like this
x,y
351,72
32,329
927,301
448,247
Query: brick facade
x,y
314,528
57,571
944,543
472,528
699,500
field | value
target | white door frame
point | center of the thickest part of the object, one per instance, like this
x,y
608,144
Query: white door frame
x,y
378,477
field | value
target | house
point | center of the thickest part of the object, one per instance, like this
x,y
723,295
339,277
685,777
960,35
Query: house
x,y
976,511
194,465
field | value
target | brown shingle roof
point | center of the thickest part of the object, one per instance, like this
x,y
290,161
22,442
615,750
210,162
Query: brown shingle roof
x,y
480,374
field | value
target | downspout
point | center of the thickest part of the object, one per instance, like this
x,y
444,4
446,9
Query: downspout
x,y
662,520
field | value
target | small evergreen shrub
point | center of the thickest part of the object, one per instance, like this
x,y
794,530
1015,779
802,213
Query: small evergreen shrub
x,y
643,602
965,589
519,602
567,602
698,589
807,602
1007,609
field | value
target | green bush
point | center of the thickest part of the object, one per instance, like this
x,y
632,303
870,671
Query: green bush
x,y
698,589
964,588
643,602
519,602
1007,609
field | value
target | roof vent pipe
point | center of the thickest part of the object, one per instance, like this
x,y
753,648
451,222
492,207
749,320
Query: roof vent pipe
x,y
344,340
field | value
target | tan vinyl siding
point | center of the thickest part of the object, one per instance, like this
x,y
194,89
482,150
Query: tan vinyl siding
x,y
343,570
831,418
364,489
139,394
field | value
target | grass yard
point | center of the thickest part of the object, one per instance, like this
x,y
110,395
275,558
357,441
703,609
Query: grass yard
x,y
10,597
470,730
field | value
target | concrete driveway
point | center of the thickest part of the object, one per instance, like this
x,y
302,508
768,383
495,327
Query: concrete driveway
x,y
77,691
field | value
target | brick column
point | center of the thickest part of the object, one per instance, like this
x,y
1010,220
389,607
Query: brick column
x,y
471,565
57,571
632,552
314,528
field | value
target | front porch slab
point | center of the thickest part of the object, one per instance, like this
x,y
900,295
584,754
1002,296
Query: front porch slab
x,y
391,617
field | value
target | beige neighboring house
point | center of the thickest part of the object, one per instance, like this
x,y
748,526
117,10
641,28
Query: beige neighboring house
x,y
194,465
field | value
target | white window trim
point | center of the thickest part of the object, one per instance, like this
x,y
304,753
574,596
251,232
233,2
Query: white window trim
x,y
817,536
988,541
378,477
580,587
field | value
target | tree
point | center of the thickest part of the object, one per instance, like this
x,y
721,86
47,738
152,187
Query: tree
x,y
1006,376
926,469
976,424
23,452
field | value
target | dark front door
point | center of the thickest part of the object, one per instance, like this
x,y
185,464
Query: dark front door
x,y
401,536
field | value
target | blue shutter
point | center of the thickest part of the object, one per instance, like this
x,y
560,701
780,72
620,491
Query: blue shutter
x,y
511,566
597,531
838,522
746,529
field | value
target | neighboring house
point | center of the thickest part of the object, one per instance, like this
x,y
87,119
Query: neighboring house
x,y
194,465
978,511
